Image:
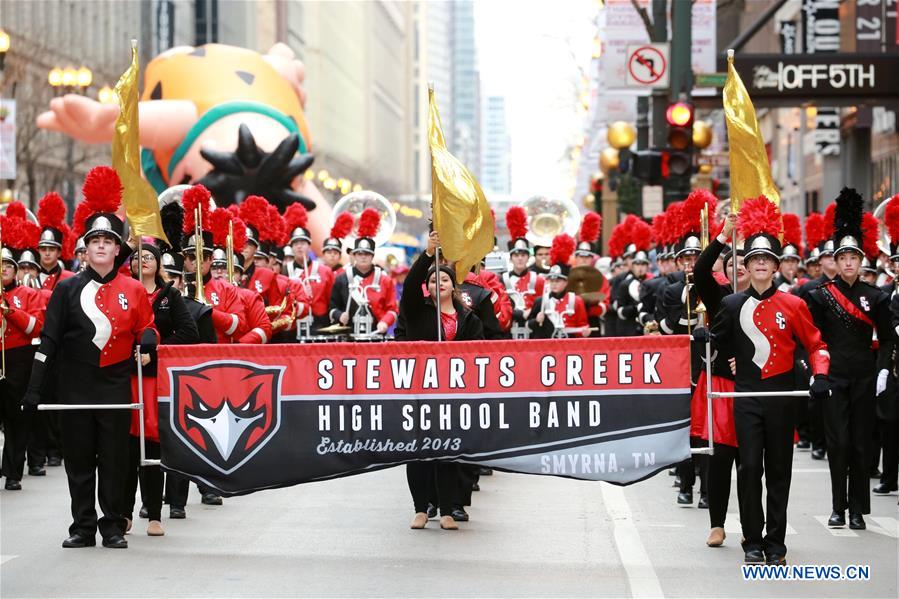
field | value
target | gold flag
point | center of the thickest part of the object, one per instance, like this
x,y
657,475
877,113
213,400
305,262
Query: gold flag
x,y
750,173
141,205
462,216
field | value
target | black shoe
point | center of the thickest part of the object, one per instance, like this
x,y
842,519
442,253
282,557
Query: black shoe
x,y
36,471
211,499
78,540
143,513
676,481
703,501
476,487
837,520
432,511
177,513
13,485
803,445
116,542
459,515
776,559
54,462
753,556
685,498
485,471
856,522
885,489
819,454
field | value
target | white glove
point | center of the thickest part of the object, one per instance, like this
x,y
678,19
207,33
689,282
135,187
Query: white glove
x,y
881,381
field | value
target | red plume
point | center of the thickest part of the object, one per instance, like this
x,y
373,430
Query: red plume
x,y
870,235
13,231
102,189
562,249
240,234
369,221
277,228
68,242
234,209
590,227
51,211
814,229
890,218
296,216
82,211
692,209
343,225
829,214
517,222
16,210
792,230
616,241
759,215
658,228
195,197
31,235
674,222
254,212
218,225
641,234
715,228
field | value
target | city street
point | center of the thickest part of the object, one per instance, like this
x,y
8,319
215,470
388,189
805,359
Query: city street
x,y
528,536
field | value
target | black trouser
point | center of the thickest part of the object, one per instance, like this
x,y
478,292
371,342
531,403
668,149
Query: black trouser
x,y
686,470
423,477
721,464
849,422
816,431
96,458
16,423
765,434
468,476
176,489
150,481
890,436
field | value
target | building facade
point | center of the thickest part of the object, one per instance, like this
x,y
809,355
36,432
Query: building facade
x,y
496,159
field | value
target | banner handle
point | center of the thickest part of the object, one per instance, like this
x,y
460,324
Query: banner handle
x,y
437,293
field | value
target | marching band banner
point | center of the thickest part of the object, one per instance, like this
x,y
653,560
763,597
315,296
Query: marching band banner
x,y
246,418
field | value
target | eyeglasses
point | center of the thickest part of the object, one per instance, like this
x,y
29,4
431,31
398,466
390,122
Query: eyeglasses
x,y
144,258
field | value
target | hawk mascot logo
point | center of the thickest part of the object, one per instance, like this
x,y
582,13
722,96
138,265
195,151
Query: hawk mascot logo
x,y
226,412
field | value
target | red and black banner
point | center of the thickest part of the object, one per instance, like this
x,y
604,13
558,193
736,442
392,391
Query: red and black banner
x,y
245,418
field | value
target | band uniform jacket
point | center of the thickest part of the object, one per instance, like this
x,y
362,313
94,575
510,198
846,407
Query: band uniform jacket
x,y
783,284
626,304
379,290
51,278
526,287
321,282
760,332
259,326
227,309
572,309
651,293
21,327
502,305
91,326
848,318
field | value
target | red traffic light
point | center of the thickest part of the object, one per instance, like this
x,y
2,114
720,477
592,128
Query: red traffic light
x,y
679,114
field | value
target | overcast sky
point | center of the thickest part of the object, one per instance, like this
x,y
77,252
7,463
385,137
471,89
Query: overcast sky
x,y
529,51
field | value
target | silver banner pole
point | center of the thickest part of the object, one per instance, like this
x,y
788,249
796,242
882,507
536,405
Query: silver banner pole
x,y
437,292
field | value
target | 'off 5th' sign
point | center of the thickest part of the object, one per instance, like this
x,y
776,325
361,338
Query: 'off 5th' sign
x,y
820,77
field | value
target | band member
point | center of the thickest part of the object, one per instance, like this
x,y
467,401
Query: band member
x,y
227,309
888,401
541,260
586,255
559,313
22,311
791,257
523,285
480,299
80,260
364,284
762,347
51,215
92,323
849,312
651,291
626,298
332,247
457,323
176,327
317,278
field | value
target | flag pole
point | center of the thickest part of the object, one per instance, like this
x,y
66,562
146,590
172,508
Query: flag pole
x,y
437,293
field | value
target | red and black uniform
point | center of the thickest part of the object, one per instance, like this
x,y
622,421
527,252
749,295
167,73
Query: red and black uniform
x,y
380,292
258,324
21,325
759,331
264,282
91,326
320,280
626,304
478,299
227,309
569,306
527,286
502,305
51,278
849,316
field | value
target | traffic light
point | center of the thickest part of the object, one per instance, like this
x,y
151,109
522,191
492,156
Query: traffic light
x,y
678,158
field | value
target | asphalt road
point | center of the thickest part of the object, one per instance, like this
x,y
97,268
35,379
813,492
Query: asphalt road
x,y
528,536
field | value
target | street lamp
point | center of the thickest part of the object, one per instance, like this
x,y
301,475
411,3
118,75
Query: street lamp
x,y
4,47
106,95
55,77
85,77
69,76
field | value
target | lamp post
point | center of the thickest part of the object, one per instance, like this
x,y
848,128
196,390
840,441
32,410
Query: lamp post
x,y
76,81
4,47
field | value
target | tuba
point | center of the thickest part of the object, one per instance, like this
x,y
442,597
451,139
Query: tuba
x,y
354,203
550,217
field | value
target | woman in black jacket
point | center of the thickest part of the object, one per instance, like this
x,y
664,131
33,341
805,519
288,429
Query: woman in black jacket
x,y
176,327
457,323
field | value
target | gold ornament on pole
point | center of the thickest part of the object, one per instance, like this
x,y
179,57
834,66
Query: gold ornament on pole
x,y
621,135
702,134
608,160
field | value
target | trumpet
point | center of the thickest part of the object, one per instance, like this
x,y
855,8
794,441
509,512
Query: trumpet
x,y
229,249
703,243
199,294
